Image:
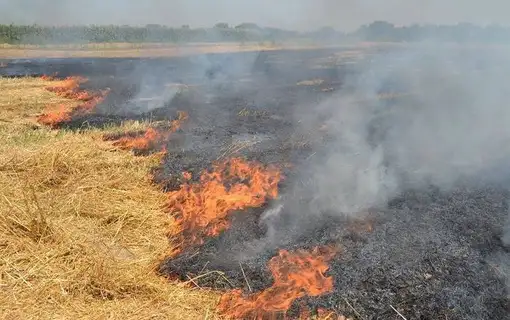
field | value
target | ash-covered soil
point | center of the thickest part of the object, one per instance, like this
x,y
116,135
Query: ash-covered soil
x,y
429,253
153,88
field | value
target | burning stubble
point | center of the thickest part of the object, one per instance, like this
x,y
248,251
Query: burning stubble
x,y
453,133
378,157
153,139
296,274
203,208
70,88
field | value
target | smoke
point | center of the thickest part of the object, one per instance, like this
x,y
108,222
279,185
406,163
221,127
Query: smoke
x,y
450,130
506,231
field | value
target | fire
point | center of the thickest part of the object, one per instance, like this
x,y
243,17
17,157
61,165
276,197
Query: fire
x,y
90,104
53,118
69,83
296,275
204,207
152,138
69,88
139,143
64,112
52,77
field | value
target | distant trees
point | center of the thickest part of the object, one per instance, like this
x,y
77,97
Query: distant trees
x,y
247,26
221,25
17,34
462,32
222,31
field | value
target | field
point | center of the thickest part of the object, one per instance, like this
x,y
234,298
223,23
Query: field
x,y
123,51
209,185
129,50
81,222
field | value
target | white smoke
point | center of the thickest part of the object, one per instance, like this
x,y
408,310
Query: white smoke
x,y
452,129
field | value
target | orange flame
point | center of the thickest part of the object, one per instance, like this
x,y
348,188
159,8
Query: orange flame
x,y
53,118
52,77
152,138
90,104
296,274
204,207
68,88
139,143
64,112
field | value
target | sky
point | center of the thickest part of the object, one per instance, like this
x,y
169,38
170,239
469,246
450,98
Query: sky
x,y
345,15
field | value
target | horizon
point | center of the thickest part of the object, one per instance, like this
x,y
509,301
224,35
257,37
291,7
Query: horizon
x,y
299,15
232,25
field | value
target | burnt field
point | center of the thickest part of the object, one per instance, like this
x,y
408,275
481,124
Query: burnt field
x,y
305,181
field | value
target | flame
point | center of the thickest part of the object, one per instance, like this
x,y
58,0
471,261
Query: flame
x,y
64,112
204,207
52,77
69,88
152,138
90,104
296,274
141,142
53,118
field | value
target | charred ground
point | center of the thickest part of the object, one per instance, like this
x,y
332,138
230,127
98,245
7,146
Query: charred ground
x,y
430,254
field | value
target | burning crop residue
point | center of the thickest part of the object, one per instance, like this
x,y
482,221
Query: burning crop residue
x,y
145,141
69,89
296,274
202,209
423,251
152,139
63,113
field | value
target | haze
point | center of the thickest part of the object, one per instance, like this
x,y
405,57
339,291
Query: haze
x,y
344,15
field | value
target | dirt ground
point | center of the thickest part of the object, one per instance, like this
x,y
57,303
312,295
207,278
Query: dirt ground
x,y
81,224
126,50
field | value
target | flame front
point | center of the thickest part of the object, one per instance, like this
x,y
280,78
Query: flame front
x,y
69,88
152,138
296,274
204,207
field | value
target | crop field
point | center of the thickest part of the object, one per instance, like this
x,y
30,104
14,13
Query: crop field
x,y
250,183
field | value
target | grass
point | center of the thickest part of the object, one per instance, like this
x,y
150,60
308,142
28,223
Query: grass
x,y
81,225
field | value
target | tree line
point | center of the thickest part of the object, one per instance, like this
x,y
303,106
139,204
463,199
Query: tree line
x,y
246,32
462,32
35,34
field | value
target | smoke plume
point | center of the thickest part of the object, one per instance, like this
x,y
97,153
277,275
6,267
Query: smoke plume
x,y
506,231
450,130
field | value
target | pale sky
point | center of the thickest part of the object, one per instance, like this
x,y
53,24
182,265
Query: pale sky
x,y
292,14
